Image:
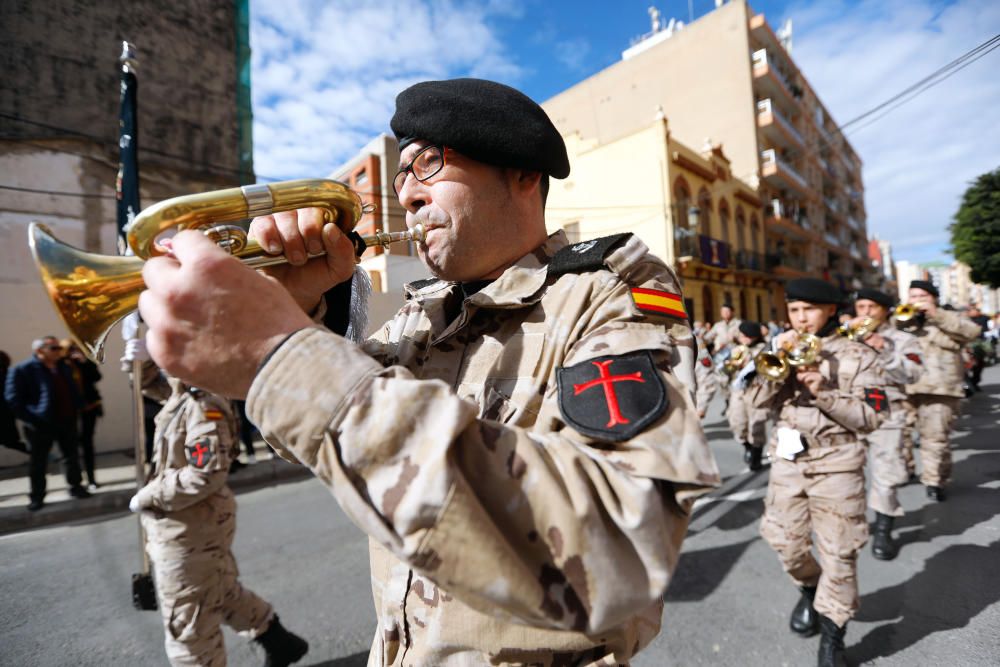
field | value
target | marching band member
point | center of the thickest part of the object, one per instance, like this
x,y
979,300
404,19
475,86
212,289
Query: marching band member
x,y
816,492
748,423
900,357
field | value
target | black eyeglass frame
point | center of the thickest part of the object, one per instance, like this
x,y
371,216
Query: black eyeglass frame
x,y
397,184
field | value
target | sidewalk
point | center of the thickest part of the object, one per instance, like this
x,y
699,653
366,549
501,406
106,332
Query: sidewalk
x,y
116,476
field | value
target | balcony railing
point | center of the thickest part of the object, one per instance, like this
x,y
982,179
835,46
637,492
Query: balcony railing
x,y
708,250
747,259
856,222
777,260
770,162
766,106
759,61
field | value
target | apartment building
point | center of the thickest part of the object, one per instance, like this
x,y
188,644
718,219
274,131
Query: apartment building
x,y
728,79
686,204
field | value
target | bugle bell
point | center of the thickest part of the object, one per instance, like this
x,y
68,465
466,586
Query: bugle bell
x,y
857,331
91,292
736,361
905,313
777,366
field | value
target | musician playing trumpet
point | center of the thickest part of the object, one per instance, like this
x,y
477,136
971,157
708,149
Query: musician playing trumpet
x,y
747,423
816,491
900,357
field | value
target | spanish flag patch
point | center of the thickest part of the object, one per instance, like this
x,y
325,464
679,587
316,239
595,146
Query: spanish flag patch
x,y
214,415
658,301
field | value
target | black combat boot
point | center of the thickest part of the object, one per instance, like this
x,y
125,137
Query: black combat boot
x,y
803,619
935,493
831,644
883,546
747,447
756,454
281,646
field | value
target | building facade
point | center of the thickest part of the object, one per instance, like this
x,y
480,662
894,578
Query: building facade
x,y
685,204
728,77
59,99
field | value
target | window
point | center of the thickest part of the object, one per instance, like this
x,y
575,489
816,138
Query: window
x,y
724,221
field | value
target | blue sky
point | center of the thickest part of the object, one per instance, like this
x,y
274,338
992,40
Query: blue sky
x,y
325,74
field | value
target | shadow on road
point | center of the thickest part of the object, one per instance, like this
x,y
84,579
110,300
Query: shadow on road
x,y
953,588
700,572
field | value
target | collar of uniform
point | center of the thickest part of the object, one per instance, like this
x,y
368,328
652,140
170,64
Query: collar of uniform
x,y
519,285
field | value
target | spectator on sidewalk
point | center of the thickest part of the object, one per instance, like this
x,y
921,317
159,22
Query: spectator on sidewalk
x,y
9,435
86,375
42,394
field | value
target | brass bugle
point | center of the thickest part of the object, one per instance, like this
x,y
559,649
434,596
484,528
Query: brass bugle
x,y
92,292
905,312
777,366
857,331
736,361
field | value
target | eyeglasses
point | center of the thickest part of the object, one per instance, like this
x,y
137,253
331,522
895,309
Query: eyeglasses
x,y
424,164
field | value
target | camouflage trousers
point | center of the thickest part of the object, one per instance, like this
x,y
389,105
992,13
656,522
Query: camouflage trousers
x,y
747,423
822,509
935,416
198,591
906,436
886,464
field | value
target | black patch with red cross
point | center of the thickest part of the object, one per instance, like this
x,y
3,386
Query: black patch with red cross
x,y
612,397
915,358
199,453
876,398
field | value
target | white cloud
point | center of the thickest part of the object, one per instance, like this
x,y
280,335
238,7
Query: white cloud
x,y
919,158
325,74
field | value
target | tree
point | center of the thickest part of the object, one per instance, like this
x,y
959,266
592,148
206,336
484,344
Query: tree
x,y
975,234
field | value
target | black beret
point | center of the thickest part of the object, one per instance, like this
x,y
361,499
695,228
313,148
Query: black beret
x,y
881,298
750,329
925,285
727,305
486,121
813,290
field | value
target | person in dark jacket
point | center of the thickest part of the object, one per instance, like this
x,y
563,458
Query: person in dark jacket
x,y
9,436
43,395
86,375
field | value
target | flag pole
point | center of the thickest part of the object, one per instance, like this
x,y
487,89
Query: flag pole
x,y
127,195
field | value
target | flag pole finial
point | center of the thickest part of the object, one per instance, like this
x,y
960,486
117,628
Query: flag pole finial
x,y
128,58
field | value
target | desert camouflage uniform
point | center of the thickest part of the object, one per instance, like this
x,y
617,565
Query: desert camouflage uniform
x,y
936,395
748,423
722,334
189,515
820,496
501,534
708,380
902,363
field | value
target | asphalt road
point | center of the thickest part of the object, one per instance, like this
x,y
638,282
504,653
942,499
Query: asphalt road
x,y
65,591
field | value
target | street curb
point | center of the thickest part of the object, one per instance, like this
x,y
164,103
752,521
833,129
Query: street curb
x,y
253,476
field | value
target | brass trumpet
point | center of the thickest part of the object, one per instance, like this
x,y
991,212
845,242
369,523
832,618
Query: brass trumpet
x,y
777,366
905,313
858,331
92,292
736,361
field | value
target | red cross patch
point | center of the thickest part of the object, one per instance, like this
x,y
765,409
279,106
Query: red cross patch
x,y
706,362
915,358
612,397
199,453
876,398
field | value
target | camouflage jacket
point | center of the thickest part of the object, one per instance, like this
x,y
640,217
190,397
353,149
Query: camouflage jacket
x,y
503,531
848,405
192,450
941,338
722,334
708,380
902,360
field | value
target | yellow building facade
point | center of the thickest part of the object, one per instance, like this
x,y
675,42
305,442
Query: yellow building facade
x,y
685,204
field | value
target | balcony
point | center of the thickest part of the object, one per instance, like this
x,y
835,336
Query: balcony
x,y
856,222
789,218
769,80
777,261
750,261
779,174
778,129
706,249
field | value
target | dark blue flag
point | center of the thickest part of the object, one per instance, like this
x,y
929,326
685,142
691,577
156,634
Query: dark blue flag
x,y
127,183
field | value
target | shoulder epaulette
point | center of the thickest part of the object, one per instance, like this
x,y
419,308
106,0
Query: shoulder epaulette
x,y
420,284
586,255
